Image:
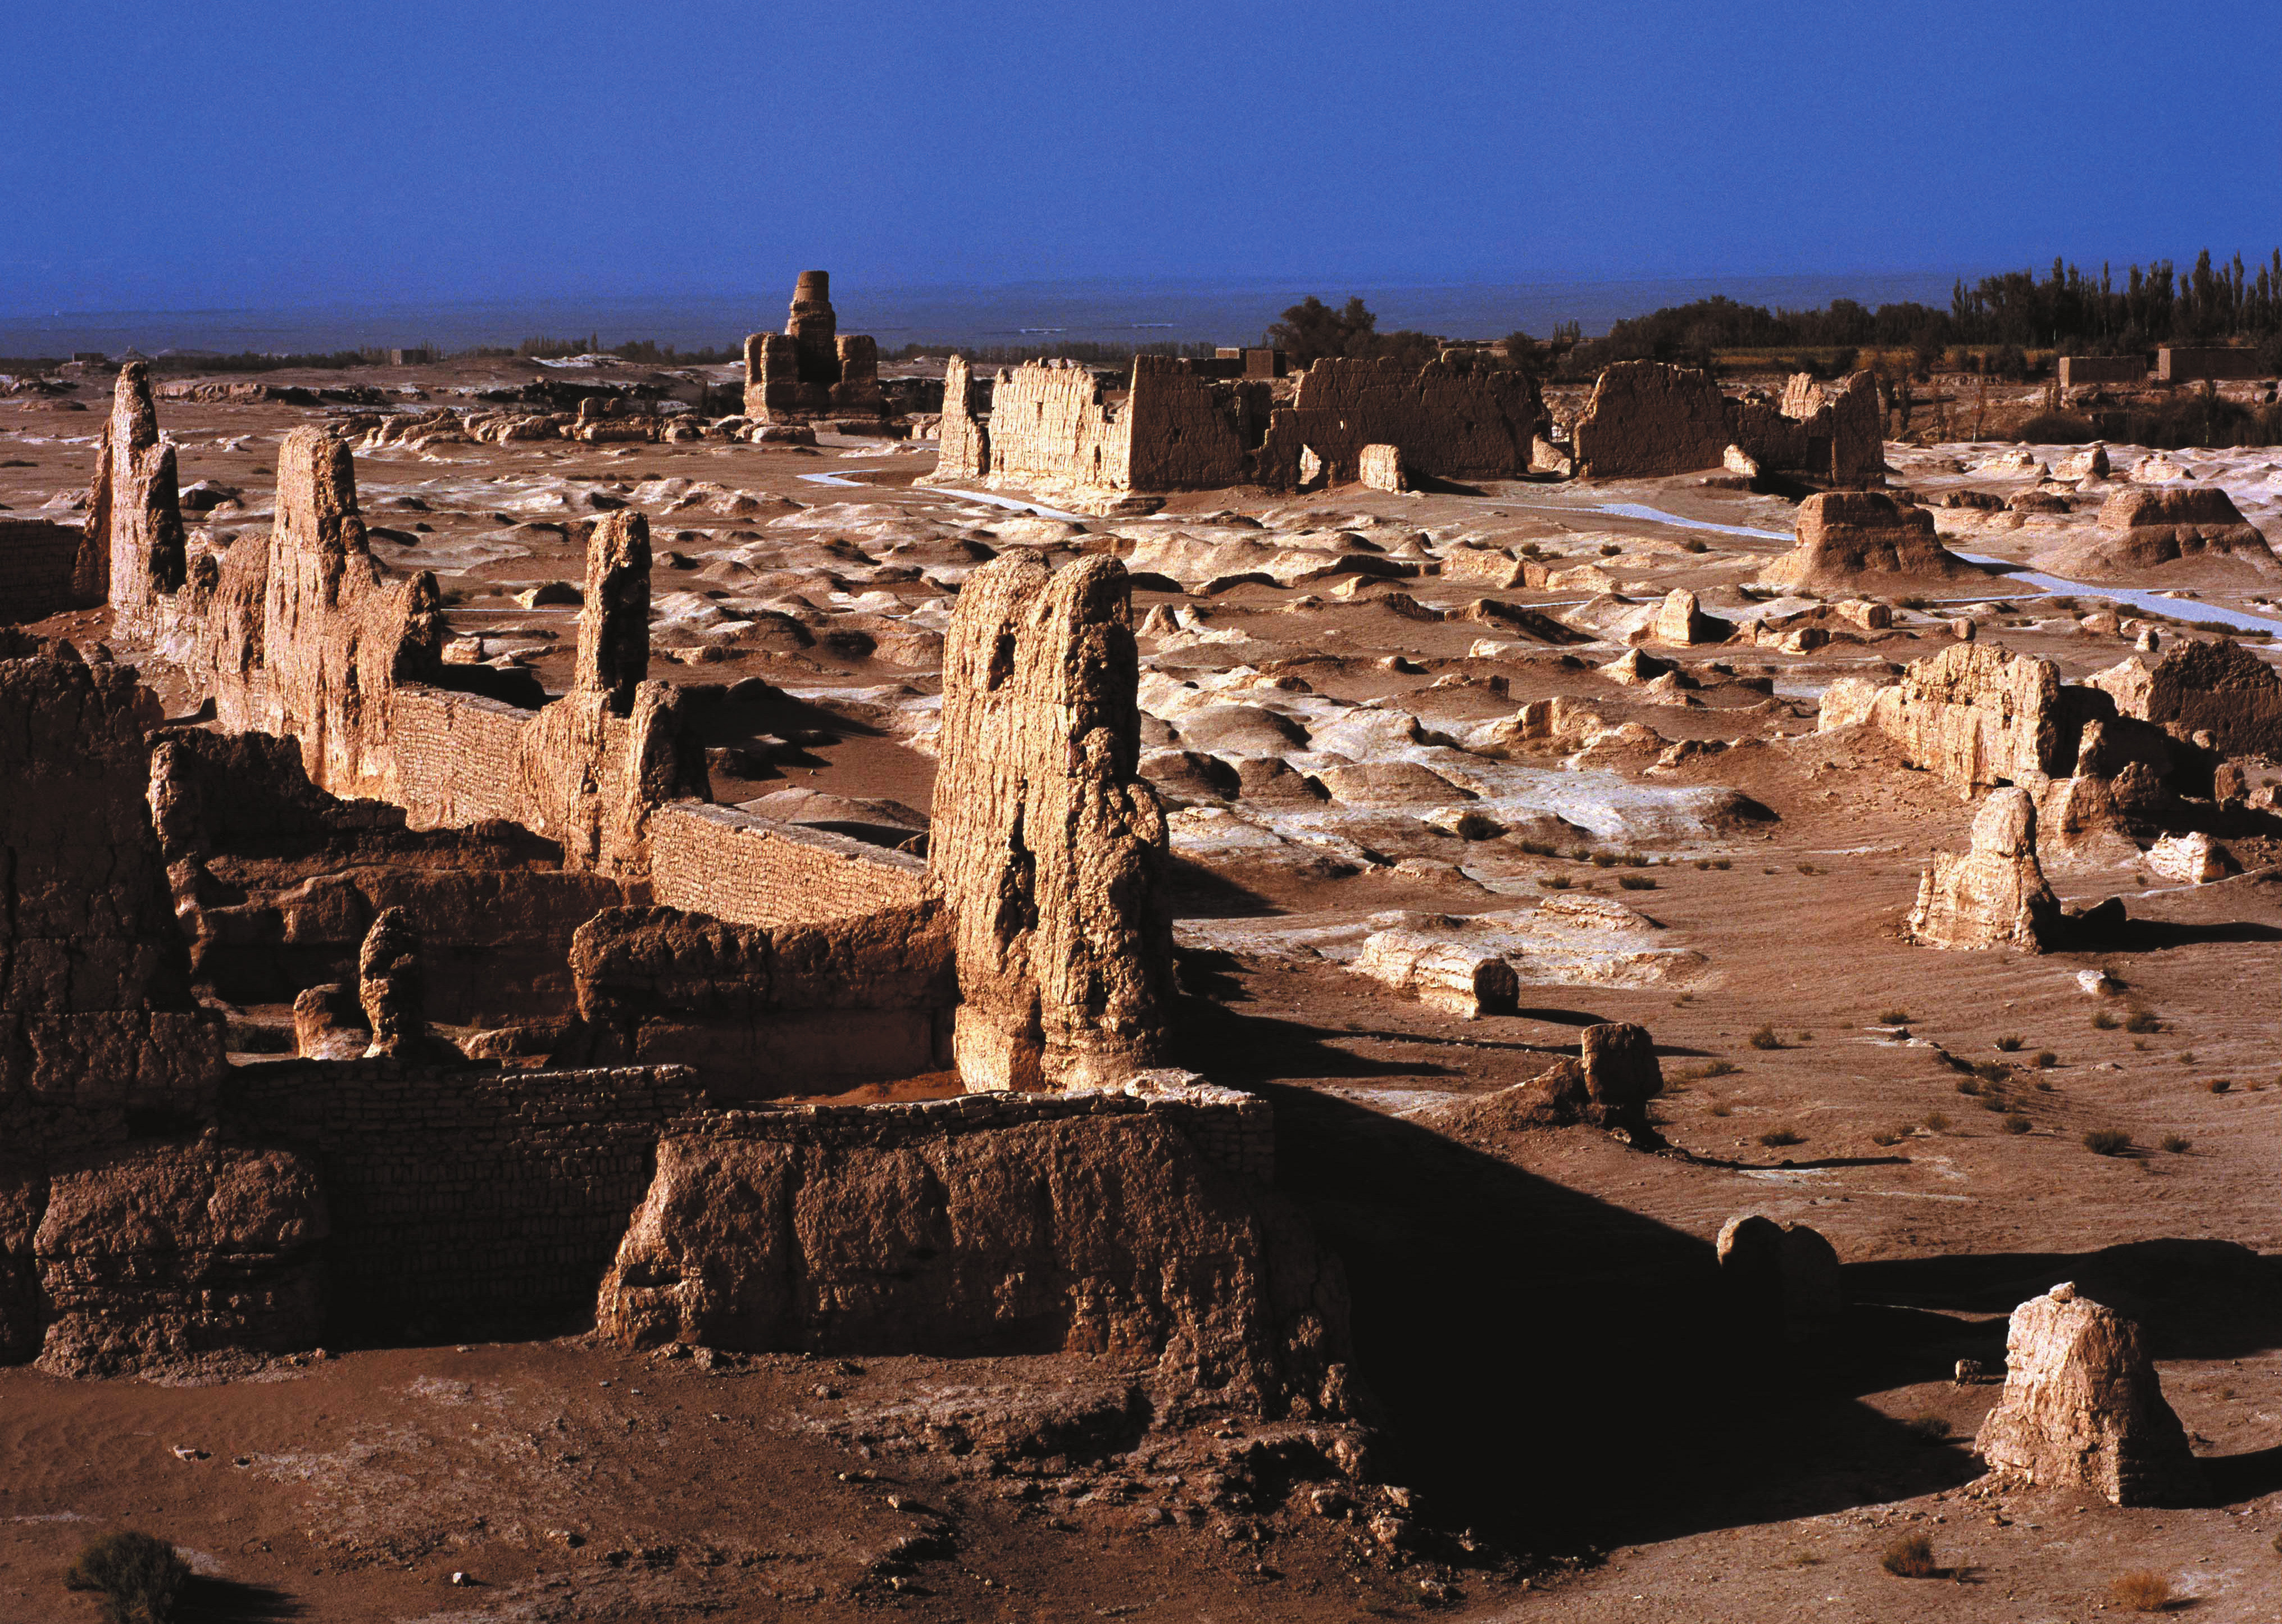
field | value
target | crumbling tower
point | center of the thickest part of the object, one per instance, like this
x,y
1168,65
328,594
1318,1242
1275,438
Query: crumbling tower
x,y
136,552
811,370
1049,846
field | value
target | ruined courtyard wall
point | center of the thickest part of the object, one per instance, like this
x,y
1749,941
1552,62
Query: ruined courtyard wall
x,y
750,870
1180,436
1647,418
454,1193
1050,427
38,569
1446,424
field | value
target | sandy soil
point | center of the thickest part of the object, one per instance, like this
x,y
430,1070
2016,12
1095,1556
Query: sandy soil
x,y
1585,1432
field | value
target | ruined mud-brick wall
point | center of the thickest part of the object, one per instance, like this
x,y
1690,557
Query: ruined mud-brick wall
x,y
2180,364
766,1012
1448,423
95,1014
455,1194
2078,370
965,440
1050,427
1047,845
37,566
1184,433
1096,1222
811,367
276,883
751,870
1646,419
339,635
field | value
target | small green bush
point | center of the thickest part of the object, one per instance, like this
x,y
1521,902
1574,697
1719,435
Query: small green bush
x,y
139,1577
2108,1141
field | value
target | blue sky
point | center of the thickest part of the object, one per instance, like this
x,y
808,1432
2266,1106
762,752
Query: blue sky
x,y
163,156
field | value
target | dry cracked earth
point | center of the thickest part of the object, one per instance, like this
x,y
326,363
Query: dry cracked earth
x,y
1574,1426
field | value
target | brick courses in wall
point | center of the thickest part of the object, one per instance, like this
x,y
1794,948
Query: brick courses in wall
x,y
37,564
750,870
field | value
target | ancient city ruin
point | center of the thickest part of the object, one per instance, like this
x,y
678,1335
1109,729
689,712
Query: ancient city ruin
x,y
1050,949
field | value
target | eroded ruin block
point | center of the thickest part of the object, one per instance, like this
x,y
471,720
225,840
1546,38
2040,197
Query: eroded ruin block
x,y
2142,529
1646,417
1783,1278
1380,468
1049,846
2083,1409
1995,896
1974,713
811,367
136,551
1853,541
965,451
392,984
614,620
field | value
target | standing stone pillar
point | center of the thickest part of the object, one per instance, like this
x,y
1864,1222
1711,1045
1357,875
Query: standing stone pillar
x,y
136,551
614,623
1049,847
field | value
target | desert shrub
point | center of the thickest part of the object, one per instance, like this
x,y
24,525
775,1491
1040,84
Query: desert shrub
x,y
1604,859
2103,1022
1994,1101
1887,1136
1991,1071
2017,1123
1716,1069
2219,1086
1538,848
2046,1060
2010,1044
2108,1141
139,1577
1774,1138
1554,882
1928,1429
2186,1057
1909,1557
1895,1017
1968,1085
1610,549
1719,1108
2143,1020
1693,545
2141,1591
1808,868
1766,1038
1637,883
2179,1145
1722,864
1935,1123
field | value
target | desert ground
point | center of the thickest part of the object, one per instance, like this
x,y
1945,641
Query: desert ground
x,y
1574,1423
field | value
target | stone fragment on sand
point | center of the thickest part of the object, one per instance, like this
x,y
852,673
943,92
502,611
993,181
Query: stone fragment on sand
x,y
2083,1409
1783,1278
2193,858
1995,896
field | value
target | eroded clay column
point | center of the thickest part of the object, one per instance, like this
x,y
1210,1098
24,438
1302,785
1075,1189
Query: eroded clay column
x,y
614,623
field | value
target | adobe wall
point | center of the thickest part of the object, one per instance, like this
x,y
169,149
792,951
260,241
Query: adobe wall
x,y
2181,364
1050,428
1183,434
38,562
1117,1223
1461,425
1646,419
762,1012
97,1018
458,1194
964,438
275,884
2077,370
751,870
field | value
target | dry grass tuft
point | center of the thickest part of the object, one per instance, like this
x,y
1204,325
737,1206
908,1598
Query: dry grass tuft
x,y
1909,1557
2141,1591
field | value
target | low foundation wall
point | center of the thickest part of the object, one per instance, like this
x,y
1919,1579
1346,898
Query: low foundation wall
x,y
754,871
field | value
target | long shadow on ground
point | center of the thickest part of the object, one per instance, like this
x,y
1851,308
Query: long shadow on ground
x,y
1559,1372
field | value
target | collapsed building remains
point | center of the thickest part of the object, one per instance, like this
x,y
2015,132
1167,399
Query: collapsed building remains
x,y
662,980
1648,418
1176,426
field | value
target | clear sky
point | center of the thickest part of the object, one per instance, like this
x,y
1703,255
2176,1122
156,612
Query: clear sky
x,y
163,155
